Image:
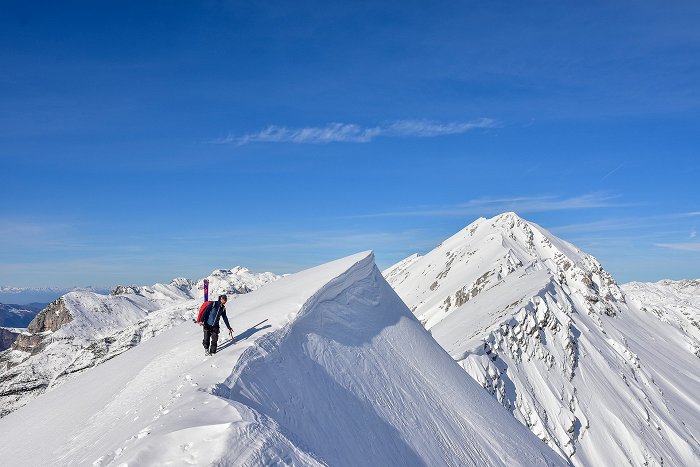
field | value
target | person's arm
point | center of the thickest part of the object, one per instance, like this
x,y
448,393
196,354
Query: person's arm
x,y
223,315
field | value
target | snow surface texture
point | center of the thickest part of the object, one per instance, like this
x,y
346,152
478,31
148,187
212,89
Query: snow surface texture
x,y
547,331
332,369
676,303
95,328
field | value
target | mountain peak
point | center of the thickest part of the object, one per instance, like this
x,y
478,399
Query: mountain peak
x,y
508,216
549,333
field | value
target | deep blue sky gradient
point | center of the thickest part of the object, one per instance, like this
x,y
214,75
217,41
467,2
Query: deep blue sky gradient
x,y
122,128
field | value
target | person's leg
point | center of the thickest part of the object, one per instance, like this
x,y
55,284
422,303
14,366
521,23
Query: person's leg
x,y
207,337
214,339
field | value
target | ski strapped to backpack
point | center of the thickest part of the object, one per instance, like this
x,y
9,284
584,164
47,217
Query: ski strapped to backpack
x,y
202,309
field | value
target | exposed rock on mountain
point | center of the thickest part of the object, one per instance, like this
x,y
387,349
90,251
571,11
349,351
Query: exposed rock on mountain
x,y
7,337
51,318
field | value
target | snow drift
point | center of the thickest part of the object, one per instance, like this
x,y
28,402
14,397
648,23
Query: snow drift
x,y
332,369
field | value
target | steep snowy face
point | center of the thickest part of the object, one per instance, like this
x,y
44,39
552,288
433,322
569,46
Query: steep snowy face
x,y
547,331
356,366
676,303
333,369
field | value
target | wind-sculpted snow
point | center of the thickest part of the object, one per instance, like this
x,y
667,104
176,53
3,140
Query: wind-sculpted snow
x,y
329,368
356,366
545,330
83,329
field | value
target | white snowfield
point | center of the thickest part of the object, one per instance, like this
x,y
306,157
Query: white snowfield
x,y
330,368
547,331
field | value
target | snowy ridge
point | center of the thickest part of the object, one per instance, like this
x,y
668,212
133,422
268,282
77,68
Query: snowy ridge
x,y
547,331
332,370
377,415
82,329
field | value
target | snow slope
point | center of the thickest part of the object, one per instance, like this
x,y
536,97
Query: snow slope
x,y
676,303
82,329
547,331
329,368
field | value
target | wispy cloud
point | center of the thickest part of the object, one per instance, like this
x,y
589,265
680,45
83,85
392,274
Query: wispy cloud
x,y
612,172
353,133
524,204
691,246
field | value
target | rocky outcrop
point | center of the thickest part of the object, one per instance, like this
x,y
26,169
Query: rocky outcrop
x,y
7,337
50,318
32,343
126,289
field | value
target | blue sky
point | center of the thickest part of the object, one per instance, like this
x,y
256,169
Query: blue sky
x,y
143,142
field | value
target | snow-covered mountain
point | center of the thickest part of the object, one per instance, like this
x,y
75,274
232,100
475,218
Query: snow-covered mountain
x,y
602,379
330,368
238,280
82,329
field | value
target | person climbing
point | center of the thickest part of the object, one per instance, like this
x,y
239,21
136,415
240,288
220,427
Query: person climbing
x,y
210,322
